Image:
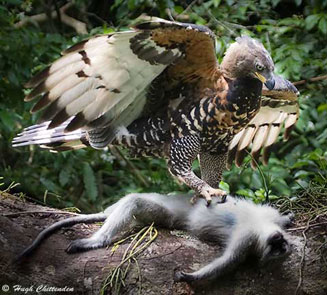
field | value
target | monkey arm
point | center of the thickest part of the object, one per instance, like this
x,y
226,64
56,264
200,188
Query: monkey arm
x,y
183,151
235,253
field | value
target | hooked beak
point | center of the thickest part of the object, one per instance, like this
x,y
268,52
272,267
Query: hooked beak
x,y
270,84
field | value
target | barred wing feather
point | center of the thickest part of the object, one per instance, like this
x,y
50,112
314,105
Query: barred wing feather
x,y
99,76
102,82
263,130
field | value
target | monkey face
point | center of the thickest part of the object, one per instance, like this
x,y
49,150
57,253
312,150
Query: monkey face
x,y
277,246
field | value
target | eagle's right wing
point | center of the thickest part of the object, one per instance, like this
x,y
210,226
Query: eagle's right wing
x,y
279,107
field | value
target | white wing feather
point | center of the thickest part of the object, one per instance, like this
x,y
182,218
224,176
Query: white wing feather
x,y
263,130
99,76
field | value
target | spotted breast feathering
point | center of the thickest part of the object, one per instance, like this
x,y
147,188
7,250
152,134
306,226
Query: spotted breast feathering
x,y
158,90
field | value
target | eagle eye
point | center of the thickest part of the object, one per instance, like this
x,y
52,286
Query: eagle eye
x,y
259,67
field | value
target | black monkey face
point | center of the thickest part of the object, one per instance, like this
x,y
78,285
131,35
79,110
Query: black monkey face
x,y
277,246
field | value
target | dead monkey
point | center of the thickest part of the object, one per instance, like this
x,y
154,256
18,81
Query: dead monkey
x,y
240,225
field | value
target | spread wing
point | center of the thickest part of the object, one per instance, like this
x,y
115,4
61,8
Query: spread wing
x,y
103,81
279,107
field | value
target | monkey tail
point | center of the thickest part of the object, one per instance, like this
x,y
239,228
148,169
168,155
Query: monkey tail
x,y
87,218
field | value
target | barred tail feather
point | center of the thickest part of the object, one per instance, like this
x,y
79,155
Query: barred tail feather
x,y
55,139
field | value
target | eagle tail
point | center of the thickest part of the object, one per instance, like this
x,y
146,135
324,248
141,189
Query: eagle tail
x,y
55,139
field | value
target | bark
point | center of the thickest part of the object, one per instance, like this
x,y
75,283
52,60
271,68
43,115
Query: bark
x,y
85,273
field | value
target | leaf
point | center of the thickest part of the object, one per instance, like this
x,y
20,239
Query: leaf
x,y
90,182
7,119
224,186
323,25
275,2
131,4
321,108
245,192
64,177
49,184
311,21
178,9
301,174
216,3
14,2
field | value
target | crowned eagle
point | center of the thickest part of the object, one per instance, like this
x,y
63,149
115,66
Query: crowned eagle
x,y
159,91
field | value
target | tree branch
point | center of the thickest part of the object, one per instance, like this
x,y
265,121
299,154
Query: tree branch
x,y
314,79
78,26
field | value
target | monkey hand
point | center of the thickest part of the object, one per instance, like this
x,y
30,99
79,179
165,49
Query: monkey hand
x,y
180,276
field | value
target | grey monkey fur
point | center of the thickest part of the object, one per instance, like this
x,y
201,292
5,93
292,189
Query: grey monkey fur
x,y
241,226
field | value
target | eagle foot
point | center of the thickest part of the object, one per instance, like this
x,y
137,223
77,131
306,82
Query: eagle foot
x,y
209,193
194,199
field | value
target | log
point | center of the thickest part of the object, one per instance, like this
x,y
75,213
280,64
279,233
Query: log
x,y
54,271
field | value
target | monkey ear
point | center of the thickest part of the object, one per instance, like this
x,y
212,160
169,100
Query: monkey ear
x,y
287,220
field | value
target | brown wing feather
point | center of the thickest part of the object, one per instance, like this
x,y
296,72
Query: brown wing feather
x,y
197,44
98,79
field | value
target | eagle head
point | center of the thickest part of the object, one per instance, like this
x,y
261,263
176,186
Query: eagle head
x,y
247,57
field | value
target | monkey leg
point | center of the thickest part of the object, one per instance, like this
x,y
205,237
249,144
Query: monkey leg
x,y
145,208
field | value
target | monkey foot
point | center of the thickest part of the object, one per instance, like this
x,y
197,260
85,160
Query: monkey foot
x,y
208,193
82,245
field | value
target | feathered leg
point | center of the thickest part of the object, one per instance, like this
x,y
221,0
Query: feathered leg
x,y
212,167
183,151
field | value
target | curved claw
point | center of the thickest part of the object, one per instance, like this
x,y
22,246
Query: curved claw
x,y
194,199
223,198
208,193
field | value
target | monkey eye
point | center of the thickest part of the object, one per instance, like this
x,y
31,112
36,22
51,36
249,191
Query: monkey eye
x,y
259,67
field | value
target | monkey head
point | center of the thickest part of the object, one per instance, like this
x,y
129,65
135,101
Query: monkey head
x,y
276,246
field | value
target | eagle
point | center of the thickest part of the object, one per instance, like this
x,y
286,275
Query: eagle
x,y
159,91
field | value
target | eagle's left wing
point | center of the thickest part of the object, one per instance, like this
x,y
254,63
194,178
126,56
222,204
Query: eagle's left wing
x,y
279,107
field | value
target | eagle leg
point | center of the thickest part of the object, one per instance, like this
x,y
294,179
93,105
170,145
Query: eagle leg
x,y
212,166
183,151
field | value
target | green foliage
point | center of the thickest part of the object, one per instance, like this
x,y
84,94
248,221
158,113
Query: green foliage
x,y
89,182
295,32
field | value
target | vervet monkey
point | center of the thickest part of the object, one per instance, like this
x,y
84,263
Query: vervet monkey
x,y
241,226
